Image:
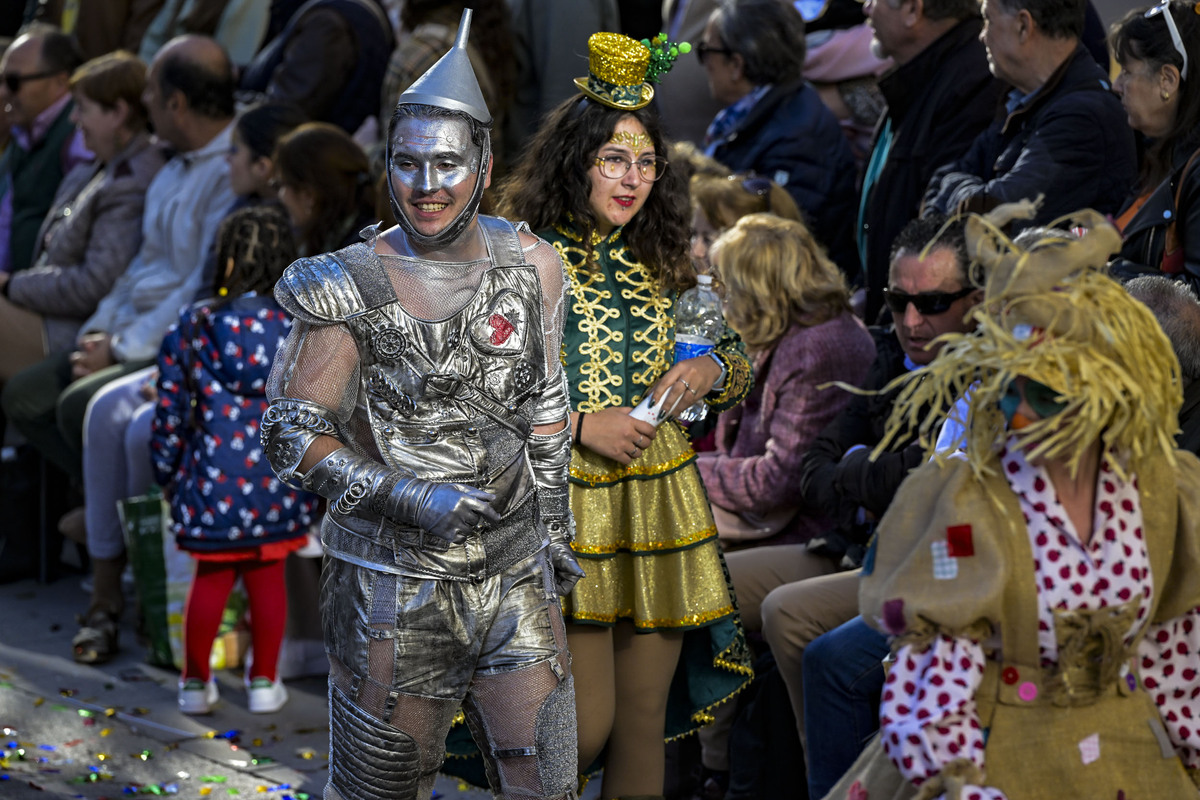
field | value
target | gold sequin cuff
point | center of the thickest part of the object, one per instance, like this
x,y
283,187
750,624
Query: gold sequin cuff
x,y
738,380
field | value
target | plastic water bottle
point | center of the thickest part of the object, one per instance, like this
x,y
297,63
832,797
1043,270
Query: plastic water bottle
x,y
698,325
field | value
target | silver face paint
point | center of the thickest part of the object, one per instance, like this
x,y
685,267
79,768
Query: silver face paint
x,y
429,155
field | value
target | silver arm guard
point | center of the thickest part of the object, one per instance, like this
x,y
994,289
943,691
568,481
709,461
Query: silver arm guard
x,y
550,458
344,477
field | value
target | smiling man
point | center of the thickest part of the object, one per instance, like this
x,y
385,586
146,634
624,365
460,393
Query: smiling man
x,y
421,393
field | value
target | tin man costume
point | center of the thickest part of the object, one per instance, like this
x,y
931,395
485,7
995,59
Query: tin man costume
x,y
421,393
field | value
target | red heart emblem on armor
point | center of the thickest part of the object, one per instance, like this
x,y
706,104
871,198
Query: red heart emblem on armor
x,y
501,329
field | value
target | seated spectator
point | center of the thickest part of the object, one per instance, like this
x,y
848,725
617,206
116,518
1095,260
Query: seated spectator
x,y
940,95
794,593
1064,136
684,102
325,185
1041,591
546,36
329,61
94,226
237,25
773,122
720,200
1177,310
1158,51
256,133
189,97
251,157
100,28
844,67
213,370
791,307
36,94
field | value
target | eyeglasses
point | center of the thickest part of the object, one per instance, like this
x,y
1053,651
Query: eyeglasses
x,y
703,49
651,169
927,304
1164,8
14,81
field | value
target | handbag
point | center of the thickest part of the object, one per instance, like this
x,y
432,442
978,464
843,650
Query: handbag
x,y
1173,255
748,526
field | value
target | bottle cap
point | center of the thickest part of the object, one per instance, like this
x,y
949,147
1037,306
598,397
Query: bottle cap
x,y
704,279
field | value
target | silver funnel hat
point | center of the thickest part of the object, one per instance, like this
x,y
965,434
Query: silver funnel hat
x,y
449,84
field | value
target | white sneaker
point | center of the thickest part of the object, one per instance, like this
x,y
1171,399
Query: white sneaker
x,y
266,696
196,696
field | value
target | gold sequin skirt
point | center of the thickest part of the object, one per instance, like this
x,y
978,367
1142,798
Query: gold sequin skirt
x,y
646,539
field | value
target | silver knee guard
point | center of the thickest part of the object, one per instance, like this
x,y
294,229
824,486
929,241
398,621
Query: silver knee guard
x,y
373,759
524,722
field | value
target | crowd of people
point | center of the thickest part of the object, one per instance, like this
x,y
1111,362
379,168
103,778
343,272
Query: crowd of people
x,y
394,275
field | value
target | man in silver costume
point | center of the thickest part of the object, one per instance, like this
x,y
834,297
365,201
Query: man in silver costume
x,y
421,393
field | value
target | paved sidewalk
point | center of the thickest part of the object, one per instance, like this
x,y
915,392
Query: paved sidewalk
x,y
113,731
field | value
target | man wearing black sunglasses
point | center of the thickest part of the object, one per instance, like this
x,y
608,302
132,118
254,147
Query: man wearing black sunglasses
x,y
34,91
800,592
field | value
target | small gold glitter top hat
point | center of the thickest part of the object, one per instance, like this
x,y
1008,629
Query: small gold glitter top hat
x,y
617,72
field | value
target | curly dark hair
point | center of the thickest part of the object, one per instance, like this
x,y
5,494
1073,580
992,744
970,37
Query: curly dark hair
x,y
550,184
259,241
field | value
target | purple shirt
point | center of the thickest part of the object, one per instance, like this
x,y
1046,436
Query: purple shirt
x,y
26,138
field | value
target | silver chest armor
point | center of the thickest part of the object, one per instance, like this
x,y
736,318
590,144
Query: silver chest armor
x,y
447,401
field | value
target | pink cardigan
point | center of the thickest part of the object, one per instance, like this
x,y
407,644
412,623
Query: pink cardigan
x,y
759,444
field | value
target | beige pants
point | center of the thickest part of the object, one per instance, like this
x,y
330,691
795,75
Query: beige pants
x,y
792,596
24,337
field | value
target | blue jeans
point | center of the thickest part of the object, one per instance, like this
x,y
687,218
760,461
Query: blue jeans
x,y
843,678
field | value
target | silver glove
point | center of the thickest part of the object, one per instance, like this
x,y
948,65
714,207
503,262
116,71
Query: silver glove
x,y
447,510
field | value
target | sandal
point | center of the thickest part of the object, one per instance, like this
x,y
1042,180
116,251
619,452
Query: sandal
x,y
96,641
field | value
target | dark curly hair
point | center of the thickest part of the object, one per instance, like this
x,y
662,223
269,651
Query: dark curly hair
x,y
259,241
550,184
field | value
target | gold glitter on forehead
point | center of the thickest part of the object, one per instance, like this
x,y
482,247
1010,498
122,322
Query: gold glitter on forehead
x,y
636,141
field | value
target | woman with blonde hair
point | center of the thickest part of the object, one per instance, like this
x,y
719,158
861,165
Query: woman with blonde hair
x,y
791,306
719,201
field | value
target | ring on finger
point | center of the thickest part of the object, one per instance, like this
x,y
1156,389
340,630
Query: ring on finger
x,y
638,443
686,385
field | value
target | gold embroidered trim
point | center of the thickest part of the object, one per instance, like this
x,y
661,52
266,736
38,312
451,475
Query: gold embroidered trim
x,y
690,621
699,537
739,378
634,470
602,379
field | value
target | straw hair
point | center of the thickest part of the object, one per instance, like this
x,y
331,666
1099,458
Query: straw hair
x,y
776,275
1050,314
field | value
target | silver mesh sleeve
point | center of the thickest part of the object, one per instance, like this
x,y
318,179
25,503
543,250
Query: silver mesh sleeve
x,y
549,457
550,454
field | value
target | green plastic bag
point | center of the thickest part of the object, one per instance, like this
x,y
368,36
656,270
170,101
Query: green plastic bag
x,y
145,521
163,574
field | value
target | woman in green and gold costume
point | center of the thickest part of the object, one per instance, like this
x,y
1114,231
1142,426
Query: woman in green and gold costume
x,y
654,633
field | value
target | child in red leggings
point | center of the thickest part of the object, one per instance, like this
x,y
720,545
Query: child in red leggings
x,y
229,510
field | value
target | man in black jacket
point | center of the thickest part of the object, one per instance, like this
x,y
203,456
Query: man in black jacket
x,y
940,96
1065,134
794,593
